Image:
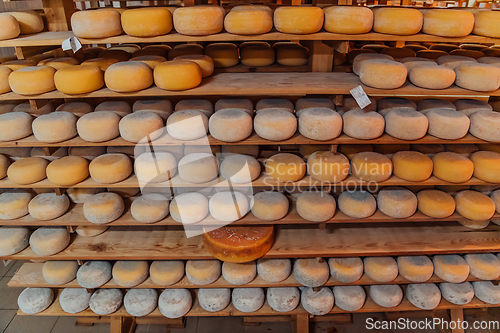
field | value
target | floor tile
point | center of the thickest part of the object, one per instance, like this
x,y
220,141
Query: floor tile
x,y
31,324
14,268
8,300
67,324
6,317
222,325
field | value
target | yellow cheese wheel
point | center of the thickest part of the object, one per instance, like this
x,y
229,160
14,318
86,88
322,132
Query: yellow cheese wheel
x,y
486,166
102,63
292,55
153,50
199,20
81,79
451,268
412,166
285,167
381,269
474,206
100,23
59,272
415,268
152,60
397,21
165,273
452,167
184,49
447,22
371,167
328,167
146,22
68,170
205,62
430,76
223,54
10,26
399,53
130,273
32,80
478,77
128,76
315,206
249,20
18,64
383,74
299,20
177,75
257,56
486,23
59,63
348,19
27,170
435,203
4,79
110,168
29,21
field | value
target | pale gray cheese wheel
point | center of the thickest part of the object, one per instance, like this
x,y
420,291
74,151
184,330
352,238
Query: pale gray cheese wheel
x,y
248,299
387,296
94,274
74,300
35,300
175,303
457,293
106,301
283,299
349,298
140,302
213,300
425,296
319,302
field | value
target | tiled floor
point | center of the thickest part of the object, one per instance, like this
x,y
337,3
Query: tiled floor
x,y
11,323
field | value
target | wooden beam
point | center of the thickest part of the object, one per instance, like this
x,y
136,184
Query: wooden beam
x,y
58,14
457,316
303,323
320,57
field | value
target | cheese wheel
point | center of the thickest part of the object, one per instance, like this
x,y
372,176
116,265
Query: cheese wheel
x,y
477,77
283,299
430,76
398,53
457,293
106,301
468,53
292,55
412,166
110,168
198,168
411,62
240,169
357,204
10,26
102,63
274,103
269,206
161,107
150,208
35,300
253,20
189,208
485,23
425,296
68,170
4,79
199,20
428,104
14,205
118,76
48,206
13,239
484,266
98,126
94,274
130,273
82,79
299,20
383,74
387,104
90,231
121,108
415,268
87,152
141,126
387,296
397,202
146,22
453,61
140,302
349,298
103,208
74,300
228,206
474,206
397,21
275,124
55,127
4,165
248,299
235,103
361,124
274,270
452,167
99,23
15,125
311,272
214,300
59,63
239,273
230,125
205,63
406,124
32,80
79,109
346,270
154,168
177,75
371,167
285,167
381,269
485,125
451,268
487,292
320,124
486,166
328,167
203,272
435,203
447,22
317,302
348,20
239,244
27,170
184,49
46,241
166,273
223,54
495,196
59,272
315,206
18,64
362,58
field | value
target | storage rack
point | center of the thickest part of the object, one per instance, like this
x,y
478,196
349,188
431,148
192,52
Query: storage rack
x,y
342,236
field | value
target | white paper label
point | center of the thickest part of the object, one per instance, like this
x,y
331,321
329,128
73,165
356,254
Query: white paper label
x,y
360,96
71,43
6,262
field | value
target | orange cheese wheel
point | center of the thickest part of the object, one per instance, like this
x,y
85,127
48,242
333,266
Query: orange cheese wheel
x,y
348,19
177,75
447,22
29,21
146,22
397,21
99,23
10,26
249,20
205,62
298,19
32,80
239,244
199,20
4,79
102,63
128,76
80,79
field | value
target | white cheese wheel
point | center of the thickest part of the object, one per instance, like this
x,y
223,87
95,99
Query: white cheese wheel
x,y
187,125
249,20
406,124
239,273
140,126
357,204
275,124
305,103
140,302
430,76
349,298
94,274
103,208
130,273
387,104
198,168
428,104
154,168
315,206
230,125
274,103
106,301
348,19
447,124
397,21
98,126
298,19
110,168
268,206
381,269
203,272
383,74
478,77
457,293
447,22
484,266
471,106
46,241
228,206
320,124
248,299
311,272
346,270
451,268
13,239
318,302
240,169
486,125
361,124
121,108
146,22
48,206
397,202
487,292
415,268
99,23
35,300
167,272
283,299
77,108
214,300
10,26
274,270
387,296
74,300
199,20
189,208
55,127
14,205
15,126
150,208
425,296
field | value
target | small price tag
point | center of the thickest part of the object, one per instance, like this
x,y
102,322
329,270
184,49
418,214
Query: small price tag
x,y
71,43
360,96
6,262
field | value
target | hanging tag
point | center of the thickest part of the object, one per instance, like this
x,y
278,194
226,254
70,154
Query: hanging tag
x,y
6,262
360,96
72,44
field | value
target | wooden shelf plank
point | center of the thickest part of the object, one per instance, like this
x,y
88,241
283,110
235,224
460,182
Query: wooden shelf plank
x,y
30,275
74,217
56,38
160,243
254,139
269,84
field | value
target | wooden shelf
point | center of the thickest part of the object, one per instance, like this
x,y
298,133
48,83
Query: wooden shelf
x,y
197,311
74,217
30,275
162,243
56,38
269,84
254,139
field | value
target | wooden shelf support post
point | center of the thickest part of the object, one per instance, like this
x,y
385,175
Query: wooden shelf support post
x,y
58,14
456,315
302,322
320,57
